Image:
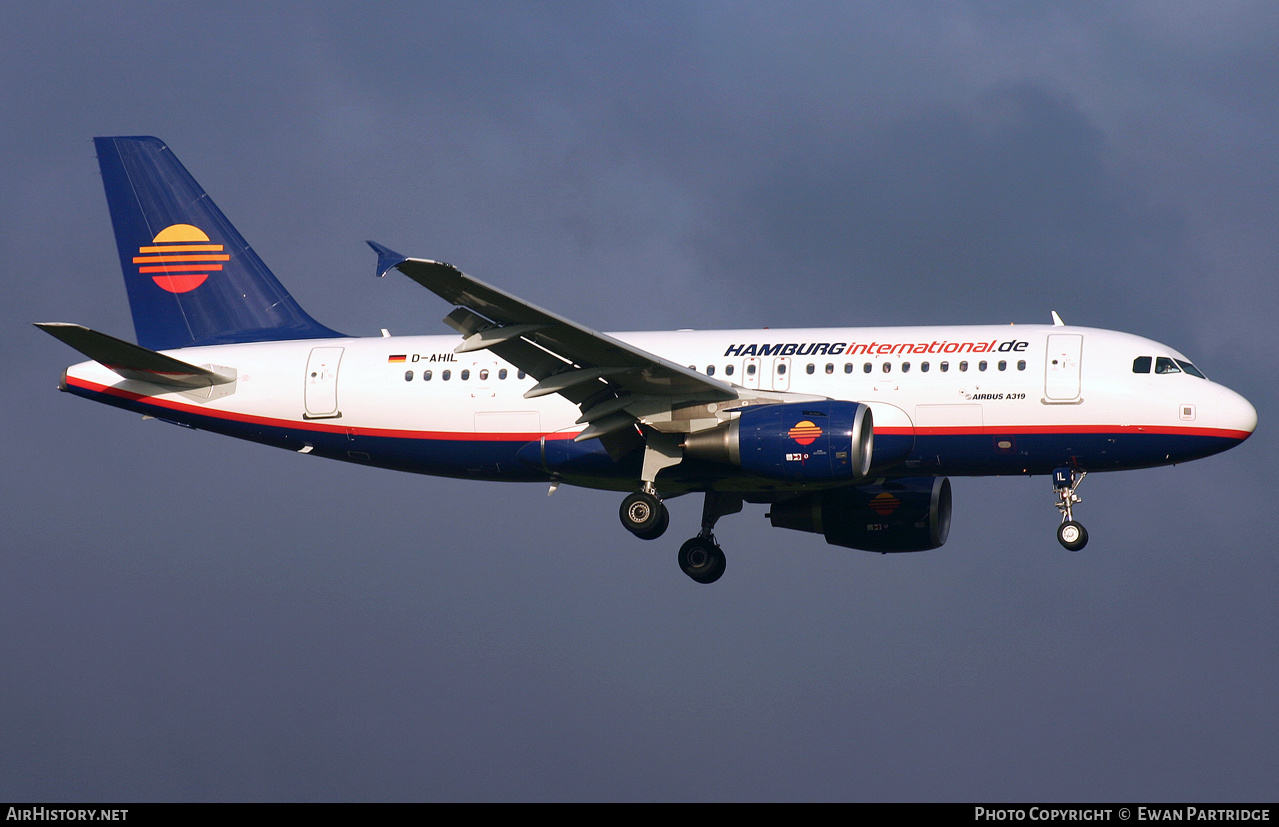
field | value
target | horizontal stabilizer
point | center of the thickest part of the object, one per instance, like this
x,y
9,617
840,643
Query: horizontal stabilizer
x,y
133,361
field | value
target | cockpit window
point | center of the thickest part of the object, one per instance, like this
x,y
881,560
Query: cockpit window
x,y
1191,369
1165,364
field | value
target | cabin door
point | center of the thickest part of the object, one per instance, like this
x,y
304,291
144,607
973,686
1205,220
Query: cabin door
x,y
322,383
1061,366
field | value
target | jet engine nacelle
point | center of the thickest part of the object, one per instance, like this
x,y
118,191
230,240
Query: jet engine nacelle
x,y
824,440
911,514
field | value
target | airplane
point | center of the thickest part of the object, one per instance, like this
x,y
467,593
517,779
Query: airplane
x,y
850,433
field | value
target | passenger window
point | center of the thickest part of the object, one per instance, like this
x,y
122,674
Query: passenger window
x,y
501,374
466,374
520,375
981,365
710,370
1141,364
408,376
446,375
781,368
426,376
887,367
923,366
809,369
1165,365
484,375
750,369
905,367
866,368
1003,365
963,367
945,366
728,370
848,367
830,368
1021,364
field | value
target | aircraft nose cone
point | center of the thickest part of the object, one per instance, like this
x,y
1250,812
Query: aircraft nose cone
x,y
1234,413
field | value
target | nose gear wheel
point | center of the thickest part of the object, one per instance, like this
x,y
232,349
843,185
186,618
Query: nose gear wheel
x,y
1071,534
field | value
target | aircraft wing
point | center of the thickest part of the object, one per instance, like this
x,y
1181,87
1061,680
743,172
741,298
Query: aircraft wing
x,y
614,383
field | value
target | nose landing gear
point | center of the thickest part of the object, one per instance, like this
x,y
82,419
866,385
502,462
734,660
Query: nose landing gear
x,y
1072,535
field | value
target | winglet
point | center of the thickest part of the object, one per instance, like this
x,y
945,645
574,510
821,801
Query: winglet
x,y
1057,322
387,259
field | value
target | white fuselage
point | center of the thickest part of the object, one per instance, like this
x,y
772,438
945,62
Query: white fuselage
x,y
945,400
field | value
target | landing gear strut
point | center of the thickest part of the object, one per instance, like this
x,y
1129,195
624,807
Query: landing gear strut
x,y
1070,534
701,558
643,512
644,515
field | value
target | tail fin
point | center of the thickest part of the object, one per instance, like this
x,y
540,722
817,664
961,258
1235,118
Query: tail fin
x,y
192,278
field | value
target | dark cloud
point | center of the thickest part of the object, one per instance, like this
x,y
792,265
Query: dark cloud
x,y
999,212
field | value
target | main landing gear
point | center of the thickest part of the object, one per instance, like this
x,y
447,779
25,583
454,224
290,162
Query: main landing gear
x,y
644,515
1070,534
701,558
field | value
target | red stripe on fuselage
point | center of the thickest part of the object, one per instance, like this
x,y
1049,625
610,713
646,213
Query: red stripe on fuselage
x,y
1007,430
992,430
306,425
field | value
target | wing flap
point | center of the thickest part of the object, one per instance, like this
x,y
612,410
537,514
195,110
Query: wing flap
x,y
606,425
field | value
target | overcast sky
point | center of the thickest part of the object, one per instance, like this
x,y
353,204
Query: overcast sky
x,y
187,617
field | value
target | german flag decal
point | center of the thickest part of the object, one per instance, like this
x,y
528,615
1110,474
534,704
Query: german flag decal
x,y
805,433
399,357
181,259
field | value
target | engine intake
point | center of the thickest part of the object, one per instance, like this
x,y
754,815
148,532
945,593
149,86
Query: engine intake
x,y
910,514
824,440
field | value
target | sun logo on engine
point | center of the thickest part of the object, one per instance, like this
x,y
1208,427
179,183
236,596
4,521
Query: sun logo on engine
x,y
181,258
884,504
805,433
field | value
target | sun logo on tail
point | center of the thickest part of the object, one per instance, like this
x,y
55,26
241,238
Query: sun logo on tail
x,y
181,258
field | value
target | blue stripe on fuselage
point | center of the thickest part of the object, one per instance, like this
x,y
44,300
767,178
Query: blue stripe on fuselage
x,y
1039,453
978,454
